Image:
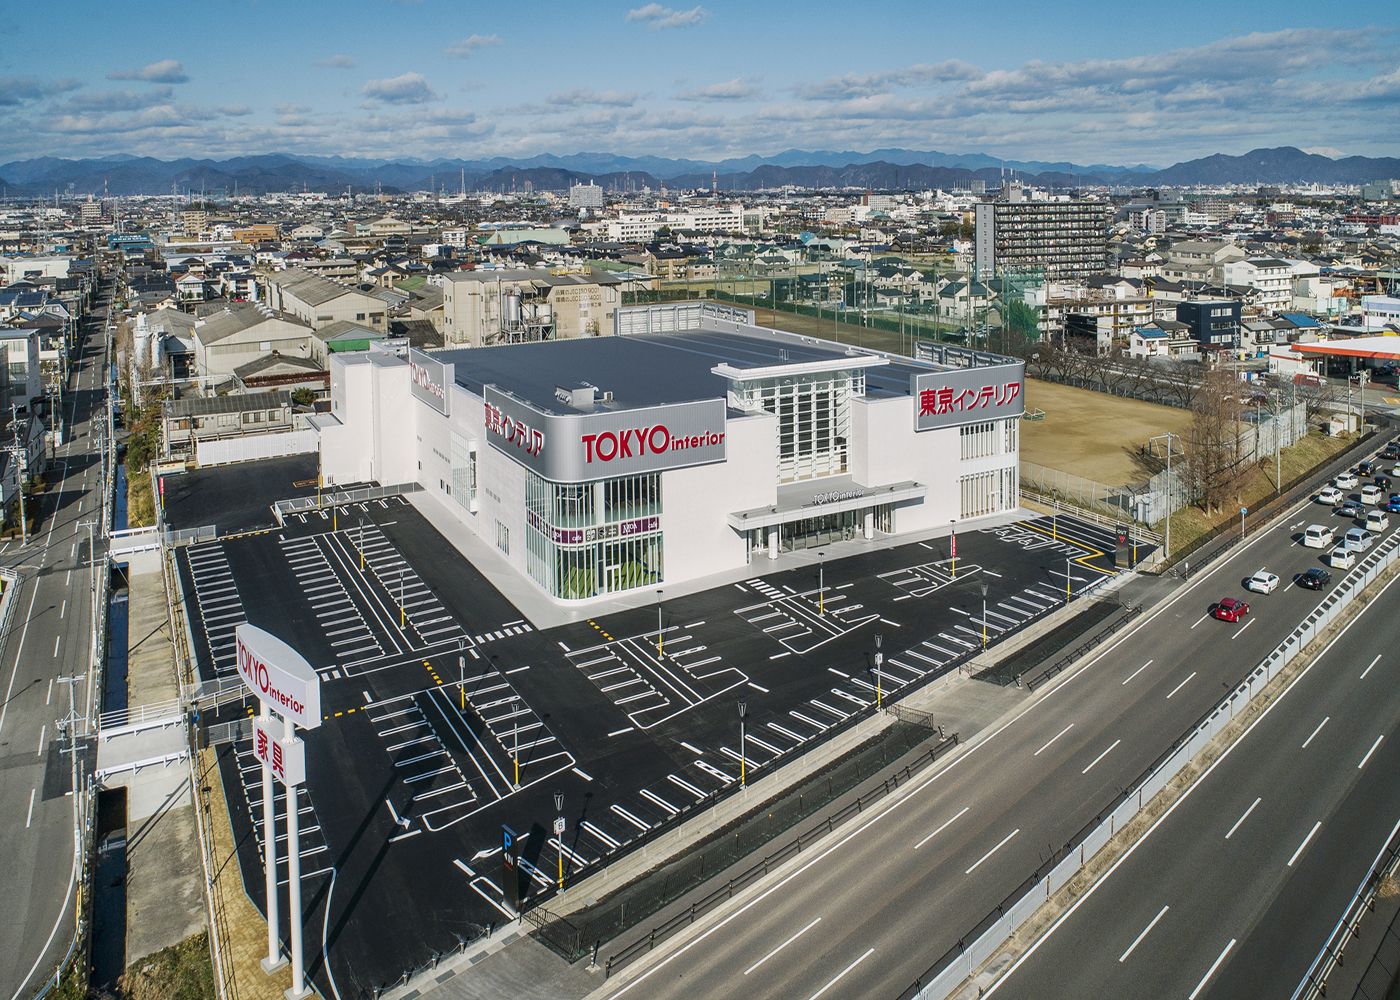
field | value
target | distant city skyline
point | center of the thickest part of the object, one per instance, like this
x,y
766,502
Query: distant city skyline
x,y
434,78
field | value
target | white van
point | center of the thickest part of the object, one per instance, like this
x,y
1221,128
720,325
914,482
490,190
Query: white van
x,y
1317,536
1371,494
1341,558
1377,520
1357,539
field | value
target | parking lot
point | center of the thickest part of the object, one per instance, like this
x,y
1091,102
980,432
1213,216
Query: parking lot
x,y
447,715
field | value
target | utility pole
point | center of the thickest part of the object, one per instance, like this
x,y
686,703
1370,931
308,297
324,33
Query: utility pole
x,y
19,454
1167,533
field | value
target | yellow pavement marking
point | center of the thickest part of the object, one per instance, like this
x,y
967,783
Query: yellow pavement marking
x,y
1082,560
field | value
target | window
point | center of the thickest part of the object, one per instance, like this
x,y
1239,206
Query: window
x,y
360,316
813,414
502,538
587,539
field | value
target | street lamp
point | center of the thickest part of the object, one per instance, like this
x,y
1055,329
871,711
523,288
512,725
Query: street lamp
x,y
984,616
559,833
362,545
515,740
879,661
462,671
953,545
821,583
743,757
660,655
1243,512
1067,579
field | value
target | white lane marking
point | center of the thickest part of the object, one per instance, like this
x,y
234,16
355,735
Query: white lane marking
x,y
1136,672
694,750
1315,732
1211,971
1052,740
582,775
63,611
1239,631
782,946
758,687
1200,619
1368,668
1242,818
43,731
1370,751
1181,685
946,824
1100,756
619,732
1309,837
1138,940
30,818
984,857
55,643
842,973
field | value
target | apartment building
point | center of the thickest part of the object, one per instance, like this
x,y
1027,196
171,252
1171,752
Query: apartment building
x,y
1270,278
319,301
521,304
1062,239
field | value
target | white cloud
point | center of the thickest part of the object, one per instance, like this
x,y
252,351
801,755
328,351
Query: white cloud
x,y
16,90
164,71
408,88
659,18
584,97
737,89
465,47
120,100
338,61
863,85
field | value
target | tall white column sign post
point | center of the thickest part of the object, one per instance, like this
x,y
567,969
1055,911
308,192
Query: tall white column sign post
x,y
287,686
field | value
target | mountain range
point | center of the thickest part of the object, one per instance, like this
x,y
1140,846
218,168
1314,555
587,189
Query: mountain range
x,y
884,169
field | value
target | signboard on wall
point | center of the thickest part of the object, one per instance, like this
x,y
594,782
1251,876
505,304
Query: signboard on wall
x,y
429,379
580,447
968,395
278,675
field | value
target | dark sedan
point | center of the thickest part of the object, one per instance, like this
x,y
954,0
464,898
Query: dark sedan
x,y
1314,579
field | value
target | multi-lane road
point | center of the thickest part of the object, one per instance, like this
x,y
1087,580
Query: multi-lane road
x,y
1234,890
869,912
49,638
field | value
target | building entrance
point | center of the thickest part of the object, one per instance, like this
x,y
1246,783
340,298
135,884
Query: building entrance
x,y
813,532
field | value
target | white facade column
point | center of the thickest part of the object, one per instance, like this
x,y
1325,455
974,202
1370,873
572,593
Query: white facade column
x,y
773,541
869,525
298,989
274,959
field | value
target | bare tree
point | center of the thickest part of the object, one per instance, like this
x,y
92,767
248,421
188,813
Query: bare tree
x,y
1217,464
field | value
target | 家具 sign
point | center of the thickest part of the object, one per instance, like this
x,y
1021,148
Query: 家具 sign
x,y
429,379
581,447
968,395
278,675
287,758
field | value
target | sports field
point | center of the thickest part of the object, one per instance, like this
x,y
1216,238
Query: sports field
x,y
1093,434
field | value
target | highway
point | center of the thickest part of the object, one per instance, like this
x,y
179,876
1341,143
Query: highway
x,y
871,909
1232,893
49,636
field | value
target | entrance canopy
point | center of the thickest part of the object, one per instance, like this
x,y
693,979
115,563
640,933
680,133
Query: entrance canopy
x,y
818,497
1378,348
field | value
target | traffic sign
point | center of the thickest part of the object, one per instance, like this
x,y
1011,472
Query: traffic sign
x,y
559,826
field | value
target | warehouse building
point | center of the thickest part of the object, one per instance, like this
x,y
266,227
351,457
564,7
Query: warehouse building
x,y
687,443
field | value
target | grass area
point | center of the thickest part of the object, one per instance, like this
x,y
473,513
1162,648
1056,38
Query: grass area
x,y
140,505
181,972
1093,434
1190,523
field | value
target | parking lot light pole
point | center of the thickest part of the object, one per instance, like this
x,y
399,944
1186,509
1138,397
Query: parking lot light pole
x,y
984,616
403,614
362,545
1067,579
821,583
462,672
743,757
879,662
953,545
515,742
559,834
1243,512
660,654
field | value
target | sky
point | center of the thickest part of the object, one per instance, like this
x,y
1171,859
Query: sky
x,y
1095,81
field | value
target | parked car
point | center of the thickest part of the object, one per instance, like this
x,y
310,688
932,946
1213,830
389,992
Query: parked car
x,y
1341,558
1372,494
1230,609
1351,508
1377,520
1329,495
1346,481
1314,579
1262,582
1358,539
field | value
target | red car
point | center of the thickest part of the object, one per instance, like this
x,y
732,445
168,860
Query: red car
x,y
1230,610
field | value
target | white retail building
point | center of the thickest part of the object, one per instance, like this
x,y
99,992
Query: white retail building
x,y
690,442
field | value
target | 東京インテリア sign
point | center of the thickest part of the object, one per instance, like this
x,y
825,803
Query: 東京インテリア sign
x,y
968,395
279,675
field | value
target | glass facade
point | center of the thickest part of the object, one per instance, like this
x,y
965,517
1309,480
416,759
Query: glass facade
x,y
814,419
590,539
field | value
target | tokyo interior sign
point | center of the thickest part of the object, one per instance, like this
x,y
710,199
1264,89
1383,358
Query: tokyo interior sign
x,y
278,674
581,447
429,379
968,395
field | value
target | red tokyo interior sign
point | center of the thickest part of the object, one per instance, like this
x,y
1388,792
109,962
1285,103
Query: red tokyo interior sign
x,y
516,432
637,442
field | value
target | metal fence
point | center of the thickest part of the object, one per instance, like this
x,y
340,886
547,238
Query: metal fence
x,y
173,538
968,955
338,498
1122,503
253,447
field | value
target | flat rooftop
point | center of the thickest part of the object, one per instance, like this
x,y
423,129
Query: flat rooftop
x,y
656,369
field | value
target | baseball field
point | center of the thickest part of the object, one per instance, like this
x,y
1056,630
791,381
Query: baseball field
x,y
1093,434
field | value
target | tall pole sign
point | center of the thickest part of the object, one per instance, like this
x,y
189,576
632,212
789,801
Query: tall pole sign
x,y
510,867
286,686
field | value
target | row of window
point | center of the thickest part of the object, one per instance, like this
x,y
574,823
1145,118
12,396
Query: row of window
x,y
992,492
992,437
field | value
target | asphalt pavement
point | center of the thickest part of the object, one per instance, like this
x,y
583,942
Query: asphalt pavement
x,y
899,887
48,637
1233,891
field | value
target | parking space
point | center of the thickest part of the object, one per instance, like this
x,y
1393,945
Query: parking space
x,y
436,690
316,863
